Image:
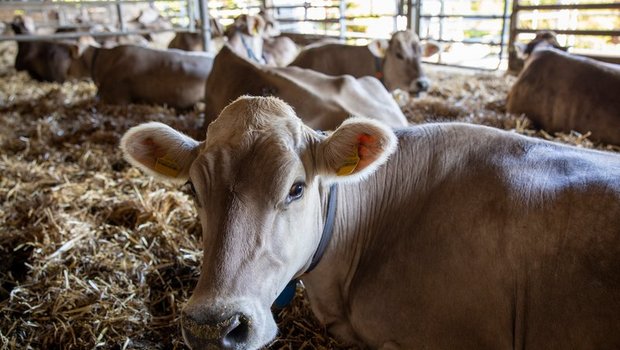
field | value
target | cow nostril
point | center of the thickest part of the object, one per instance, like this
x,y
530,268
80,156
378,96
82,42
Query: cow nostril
x,y
237,331
422,85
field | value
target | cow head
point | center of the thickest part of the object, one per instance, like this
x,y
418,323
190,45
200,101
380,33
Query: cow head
x,y
259,181
245,36
401,59
544,39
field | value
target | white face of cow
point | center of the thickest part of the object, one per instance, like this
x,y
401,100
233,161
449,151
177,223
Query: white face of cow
x,y
402,55
260,180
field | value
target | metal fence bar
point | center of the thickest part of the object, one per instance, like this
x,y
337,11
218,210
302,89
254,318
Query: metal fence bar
x,y
572,31
75,35
612,5
205,24
20,4
469,42
472,16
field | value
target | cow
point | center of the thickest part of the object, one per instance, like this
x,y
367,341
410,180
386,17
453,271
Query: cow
x,y
322,101
192,41
46,61
396,62
559,91
245,37
135,74
437,236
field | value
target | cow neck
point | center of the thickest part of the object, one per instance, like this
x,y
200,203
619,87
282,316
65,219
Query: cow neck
x,y
287,295
379,68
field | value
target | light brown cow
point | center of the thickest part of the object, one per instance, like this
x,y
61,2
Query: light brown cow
x,y
190,41
444,236
136,74
563,92
50,61
322,101
396,63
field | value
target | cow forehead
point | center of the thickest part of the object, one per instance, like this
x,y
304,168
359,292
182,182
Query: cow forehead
x,y
253,134
406,37
247,119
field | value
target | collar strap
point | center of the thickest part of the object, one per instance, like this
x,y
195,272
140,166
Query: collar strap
x,y
378,68
93,61
251,54
328,229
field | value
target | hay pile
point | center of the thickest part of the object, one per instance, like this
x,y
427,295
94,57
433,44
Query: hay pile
x,y
97,255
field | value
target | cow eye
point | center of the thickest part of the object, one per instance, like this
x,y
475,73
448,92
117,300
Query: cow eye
x,y
296,191
399,56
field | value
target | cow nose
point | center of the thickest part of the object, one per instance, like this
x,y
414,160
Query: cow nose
x,y
202,332
236,333
422,84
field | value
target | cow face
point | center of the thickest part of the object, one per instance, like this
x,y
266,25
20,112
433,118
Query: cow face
x,y
245,36
402,67
260,181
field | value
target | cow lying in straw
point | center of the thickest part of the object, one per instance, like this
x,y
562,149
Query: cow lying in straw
x,y
564,92
443,236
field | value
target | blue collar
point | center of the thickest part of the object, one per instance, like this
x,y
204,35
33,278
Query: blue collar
x,y
249,50
289,291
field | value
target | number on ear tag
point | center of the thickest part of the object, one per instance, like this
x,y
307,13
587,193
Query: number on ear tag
x,y
167,167
350,163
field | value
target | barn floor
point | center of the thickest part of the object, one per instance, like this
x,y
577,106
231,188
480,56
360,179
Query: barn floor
x,y
97,255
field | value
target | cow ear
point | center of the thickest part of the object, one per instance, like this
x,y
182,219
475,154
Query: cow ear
x,y
160,151
379,47
521,50
430,48
355,150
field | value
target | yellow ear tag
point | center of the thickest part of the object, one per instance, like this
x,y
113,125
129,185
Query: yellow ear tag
x,y
254,31
167,167
350,163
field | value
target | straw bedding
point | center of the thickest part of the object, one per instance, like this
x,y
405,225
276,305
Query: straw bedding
x,y
97,255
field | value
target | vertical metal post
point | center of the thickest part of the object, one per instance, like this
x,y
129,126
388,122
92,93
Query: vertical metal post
x,y
191,15
502,42
343,23
513,62
119,13
205,25
410,17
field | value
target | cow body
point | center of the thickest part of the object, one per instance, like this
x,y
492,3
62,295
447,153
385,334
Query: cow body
x,y
322,101
396,62
564,92
445,235
135,74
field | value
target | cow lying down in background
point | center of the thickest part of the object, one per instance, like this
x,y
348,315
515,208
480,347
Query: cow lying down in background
x,y
444,236
396,62
564,92
136,74
321,101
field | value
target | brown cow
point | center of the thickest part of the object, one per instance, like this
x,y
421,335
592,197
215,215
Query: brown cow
x,y
192,41
135,74
563,92
322,101
45,60
439,236
396,63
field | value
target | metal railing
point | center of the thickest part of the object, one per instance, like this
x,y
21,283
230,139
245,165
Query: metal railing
x,y
515,64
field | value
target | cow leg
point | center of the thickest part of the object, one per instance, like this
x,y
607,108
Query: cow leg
x,y
118,95
390,346
342,330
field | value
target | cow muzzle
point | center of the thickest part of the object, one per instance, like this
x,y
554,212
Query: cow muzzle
x,y
419,85
231,332
226,326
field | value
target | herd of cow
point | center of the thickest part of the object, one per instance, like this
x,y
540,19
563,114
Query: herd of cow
x,y
435,236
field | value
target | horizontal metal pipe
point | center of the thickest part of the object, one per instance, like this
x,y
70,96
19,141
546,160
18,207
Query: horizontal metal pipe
x,y
75,35
573,31
465,16
469,42
22,4
613,5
